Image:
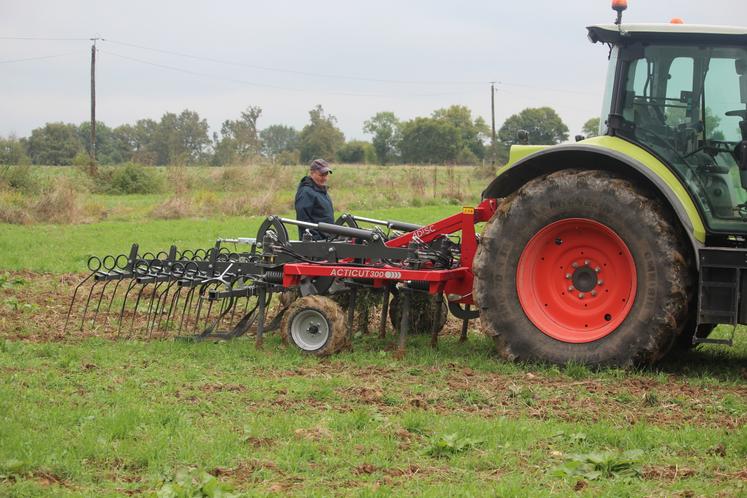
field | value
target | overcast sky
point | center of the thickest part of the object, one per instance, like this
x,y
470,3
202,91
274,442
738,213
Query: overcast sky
x,y
354,58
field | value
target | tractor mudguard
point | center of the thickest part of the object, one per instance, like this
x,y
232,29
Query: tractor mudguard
x,y
602,153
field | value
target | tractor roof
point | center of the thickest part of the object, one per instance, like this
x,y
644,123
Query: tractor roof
x,y
612,33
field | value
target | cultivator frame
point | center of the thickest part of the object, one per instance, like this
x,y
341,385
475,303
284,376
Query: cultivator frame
x,y
181,289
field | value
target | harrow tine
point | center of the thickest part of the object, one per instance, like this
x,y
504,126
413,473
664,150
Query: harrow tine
x,y
199,305
186,311
169,273
111,301
161,305
247,320
130,286
94,264
85,309
134,310
110,266
150,308
173,306
233,312
98,305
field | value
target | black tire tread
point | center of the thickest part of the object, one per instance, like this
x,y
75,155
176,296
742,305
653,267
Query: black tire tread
x,y
535,201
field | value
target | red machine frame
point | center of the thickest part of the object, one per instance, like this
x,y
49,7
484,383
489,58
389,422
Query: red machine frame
x,y
455,283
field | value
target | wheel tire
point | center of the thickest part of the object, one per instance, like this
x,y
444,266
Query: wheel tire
x,y
525,257
422,309
321,314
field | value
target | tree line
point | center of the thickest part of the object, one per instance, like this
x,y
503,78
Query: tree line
x,y
448,135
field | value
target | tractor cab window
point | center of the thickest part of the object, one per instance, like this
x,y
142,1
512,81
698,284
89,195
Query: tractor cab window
x,y
684,104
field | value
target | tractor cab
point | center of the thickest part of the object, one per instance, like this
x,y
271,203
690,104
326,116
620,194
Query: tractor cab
x,y
680,92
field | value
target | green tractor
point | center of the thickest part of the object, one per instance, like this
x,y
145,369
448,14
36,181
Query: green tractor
x,y
620,248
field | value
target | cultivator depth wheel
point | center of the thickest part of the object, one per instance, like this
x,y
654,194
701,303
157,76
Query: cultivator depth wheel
x,y
315,325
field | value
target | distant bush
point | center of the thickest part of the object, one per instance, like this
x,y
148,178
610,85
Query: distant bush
x,y
357,152
130,178
13,151
21,178
81,159
466,156
288,158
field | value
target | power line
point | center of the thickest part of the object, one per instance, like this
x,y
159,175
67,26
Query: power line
x,y
303,73
340,76
36,58
33,38
292,71
265,85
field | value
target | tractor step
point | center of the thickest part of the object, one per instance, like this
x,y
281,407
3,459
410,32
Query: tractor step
x,y
705,340
722,283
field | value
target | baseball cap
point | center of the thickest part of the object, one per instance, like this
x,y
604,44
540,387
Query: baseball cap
x,y
321,166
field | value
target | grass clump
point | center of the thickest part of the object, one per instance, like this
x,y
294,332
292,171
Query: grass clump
x,y
451,444
195,485
601,465
21,178
130,178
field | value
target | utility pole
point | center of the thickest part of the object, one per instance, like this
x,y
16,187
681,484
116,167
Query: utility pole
x,y
492,116
93,106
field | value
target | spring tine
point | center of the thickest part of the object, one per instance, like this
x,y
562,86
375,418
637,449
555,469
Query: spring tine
x,y
171,257
207,316
233,313
134,310
174,304
246,322
226,306
150,308
186,311
98,305
199,305
162,299
111,301
130,286
215,326
85,309
72,301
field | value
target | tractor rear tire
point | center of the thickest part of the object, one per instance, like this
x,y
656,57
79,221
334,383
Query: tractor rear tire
x,y
315,325
582,266
423,307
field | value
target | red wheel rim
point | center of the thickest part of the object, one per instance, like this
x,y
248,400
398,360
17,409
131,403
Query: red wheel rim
x,y
576,280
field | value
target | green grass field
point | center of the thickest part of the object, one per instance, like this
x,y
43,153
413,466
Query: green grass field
x,y
93,416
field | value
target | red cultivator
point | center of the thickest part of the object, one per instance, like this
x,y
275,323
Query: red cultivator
x,y
217,293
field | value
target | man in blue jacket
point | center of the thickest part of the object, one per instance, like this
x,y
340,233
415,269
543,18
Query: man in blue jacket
x,y
313,203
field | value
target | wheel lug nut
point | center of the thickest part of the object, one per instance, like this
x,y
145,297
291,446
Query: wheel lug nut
x,y
580,295
570,288
593,293
586,262
600,282
574,264
567,275
597,269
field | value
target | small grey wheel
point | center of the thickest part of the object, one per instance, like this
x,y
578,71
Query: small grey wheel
x,y
309,330
315,325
